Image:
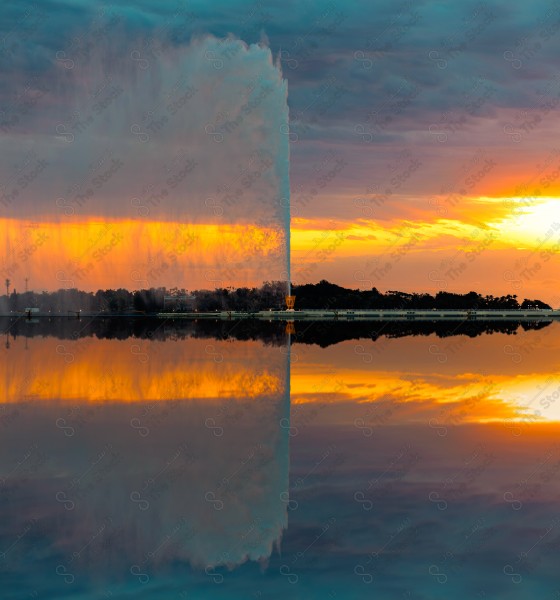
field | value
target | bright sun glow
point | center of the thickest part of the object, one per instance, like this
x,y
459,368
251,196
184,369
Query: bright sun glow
x,y
532,222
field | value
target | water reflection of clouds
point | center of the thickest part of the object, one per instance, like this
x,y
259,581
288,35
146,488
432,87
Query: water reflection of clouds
x,y
92,370
399,486
405,382
133,487
412,506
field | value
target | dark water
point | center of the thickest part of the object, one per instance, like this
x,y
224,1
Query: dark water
x,y
232,460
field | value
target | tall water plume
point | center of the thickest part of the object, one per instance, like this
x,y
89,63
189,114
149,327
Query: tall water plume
x,y
135,165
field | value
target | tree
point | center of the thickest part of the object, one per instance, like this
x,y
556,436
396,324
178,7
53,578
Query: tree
x,y
535,304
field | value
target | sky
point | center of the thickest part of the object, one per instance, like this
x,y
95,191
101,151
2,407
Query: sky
x,y
422,144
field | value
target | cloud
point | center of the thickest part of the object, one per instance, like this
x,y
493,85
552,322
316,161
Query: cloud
x,y
443,82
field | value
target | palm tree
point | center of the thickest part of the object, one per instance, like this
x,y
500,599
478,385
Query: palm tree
x,y
8,287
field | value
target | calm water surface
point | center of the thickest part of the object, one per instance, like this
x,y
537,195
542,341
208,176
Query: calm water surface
x,y
153,460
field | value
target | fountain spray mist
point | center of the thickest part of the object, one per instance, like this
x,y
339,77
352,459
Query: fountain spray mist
x,y
147,167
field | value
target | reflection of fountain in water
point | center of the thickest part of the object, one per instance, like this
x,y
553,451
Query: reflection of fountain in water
x,y
131,487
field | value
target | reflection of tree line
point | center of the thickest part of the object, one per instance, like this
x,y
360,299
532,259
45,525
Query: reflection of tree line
x,y
322,333
325,333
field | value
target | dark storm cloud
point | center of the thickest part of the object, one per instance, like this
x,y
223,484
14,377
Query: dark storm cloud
x,y
363,46
364,78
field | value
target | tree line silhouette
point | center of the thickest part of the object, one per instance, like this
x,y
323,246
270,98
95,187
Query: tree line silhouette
x,y
269,296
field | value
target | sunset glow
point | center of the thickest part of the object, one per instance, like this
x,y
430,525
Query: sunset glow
x,y
108,371
94,254
113,371
280,299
